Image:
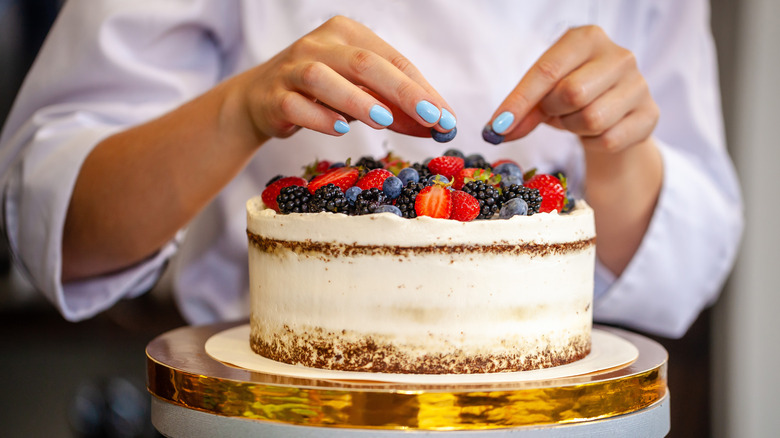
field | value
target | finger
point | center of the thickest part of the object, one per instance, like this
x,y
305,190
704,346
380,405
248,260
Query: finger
x,y
607,109
319,81
297,111
585,84
574,48
528,124
402,123
632,129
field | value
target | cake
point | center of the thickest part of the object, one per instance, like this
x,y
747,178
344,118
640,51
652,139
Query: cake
x,y
423,295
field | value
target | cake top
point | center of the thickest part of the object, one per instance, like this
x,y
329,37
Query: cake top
x,y
451,186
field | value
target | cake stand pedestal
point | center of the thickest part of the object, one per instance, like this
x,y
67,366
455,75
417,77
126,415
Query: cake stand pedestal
x,y
196,396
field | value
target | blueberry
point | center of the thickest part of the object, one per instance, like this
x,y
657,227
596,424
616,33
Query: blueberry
x,y
337,164
351,194
444,137
452,152
392,187
508,169
508,180
513,207
441,179
474,160
389,208
490,136
409,174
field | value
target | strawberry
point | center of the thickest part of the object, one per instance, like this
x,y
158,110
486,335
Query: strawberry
x,y
552,190
465,207
446,166
374,178
272,190
434,201
474,174
343,177
316,168
393,163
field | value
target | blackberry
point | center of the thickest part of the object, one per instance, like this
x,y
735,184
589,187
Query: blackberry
x,y
369,163
477,161
328,198
488,196
405,201
293,199
368,200
422,170
527,194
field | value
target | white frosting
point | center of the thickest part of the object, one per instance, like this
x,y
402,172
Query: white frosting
x,y
473,301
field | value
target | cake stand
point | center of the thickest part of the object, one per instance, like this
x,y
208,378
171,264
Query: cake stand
x,y
194,396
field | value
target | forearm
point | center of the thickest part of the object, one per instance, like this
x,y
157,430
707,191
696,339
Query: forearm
x,y
138,187
623,188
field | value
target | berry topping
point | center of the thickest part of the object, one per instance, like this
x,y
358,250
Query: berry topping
x,y
293,199
474,174
374,178
465,207
275,185
434,201
343,177
444,137
514,207
392,187
405,202
328,198
531,197
368,200
551,189
488,196
447,166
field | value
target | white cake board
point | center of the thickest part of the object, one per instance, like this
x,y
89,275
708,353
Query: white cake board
x,y
608,351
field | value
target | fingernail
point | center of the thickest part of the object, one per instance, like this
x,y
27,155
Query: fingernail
x,y
502,122
447,120
381,115
428,111
490,136
444,137
341,127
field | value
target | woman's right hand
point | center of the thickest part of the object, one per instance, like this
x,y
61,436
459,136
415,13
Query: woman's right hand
x,y
339,72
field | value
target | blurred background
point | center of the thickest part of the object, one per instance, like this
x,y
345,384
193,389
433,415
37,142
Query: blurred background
x,y
60,379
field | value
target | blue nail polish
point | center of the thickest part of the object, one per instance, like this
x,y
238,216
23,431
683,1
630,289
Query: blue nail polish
x,y
341,127
447,120
381,115
502,122
443,137
491,137
428,111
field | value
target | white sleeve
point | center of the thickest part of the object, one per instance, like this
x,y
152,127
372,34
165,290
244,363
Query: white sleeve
x,y
105,66
692,240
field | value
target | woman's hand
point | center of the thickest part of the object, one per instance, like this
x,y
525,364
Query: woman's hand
x,y
339,72
590,86
586,84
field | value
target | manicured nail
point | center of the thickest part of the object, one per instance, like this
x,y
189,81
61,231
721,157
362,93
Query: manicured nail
x,y
443,137
447,120
502,122
381,115
490,136
341,127
428,111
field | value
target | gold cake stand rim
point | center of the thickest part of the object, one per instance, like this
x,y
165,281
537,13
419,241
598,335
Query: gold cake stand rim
x,y
179,371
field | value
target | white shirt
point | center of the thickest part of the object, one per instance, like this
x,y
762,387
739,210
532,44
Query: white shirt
x,y
111,64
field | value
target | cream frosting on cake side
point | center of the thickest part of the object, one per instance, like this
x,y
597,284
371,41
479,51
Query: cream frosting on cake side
x,y
388,294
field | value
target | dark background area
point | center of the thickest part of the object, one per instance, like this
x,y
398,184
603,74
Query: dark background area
x,y
57,378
